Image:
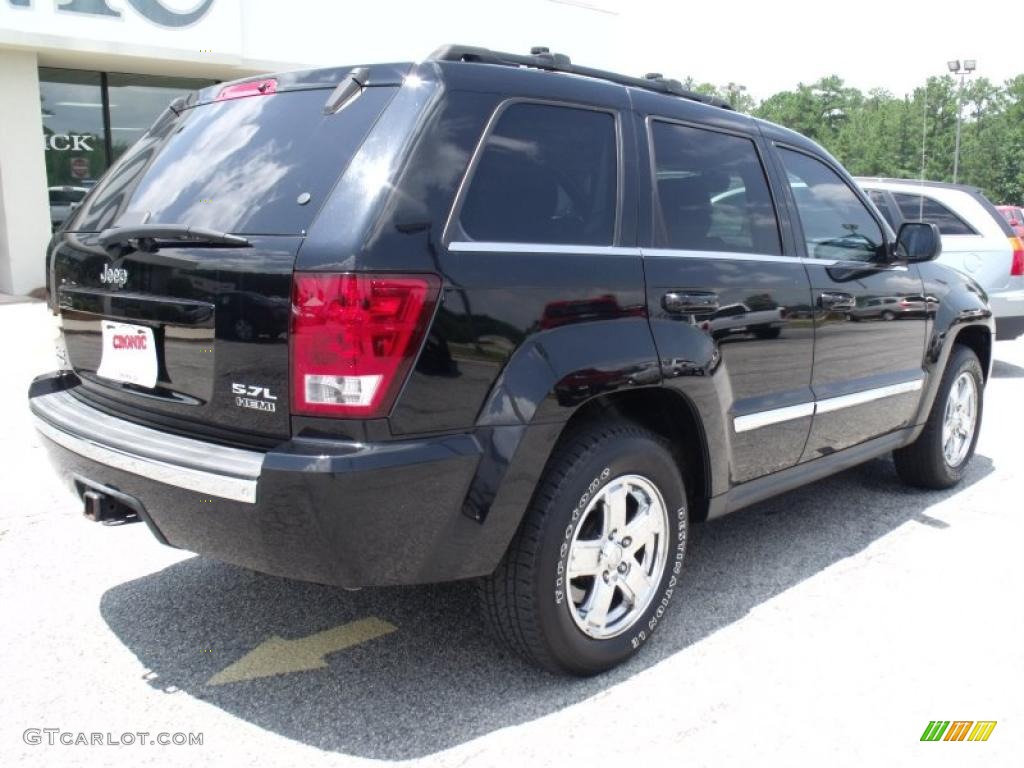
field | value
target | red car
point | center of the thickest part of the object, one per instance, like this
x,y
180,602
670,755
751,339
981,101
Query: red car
x,y
1015,216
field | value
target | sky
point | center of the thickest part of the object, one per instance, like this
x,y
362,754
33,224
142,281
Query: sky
x,y
766,46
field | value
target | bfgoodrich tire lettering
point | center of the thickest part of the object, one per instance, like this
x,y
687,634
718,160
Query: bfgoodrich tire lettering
x,y
528,602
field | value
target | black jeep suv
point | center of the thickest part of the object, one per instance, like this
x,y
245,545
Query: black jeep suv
x,y
490,316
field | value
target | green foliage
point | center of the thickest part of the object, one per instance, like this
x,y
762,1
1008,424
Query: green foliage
x,y
880,134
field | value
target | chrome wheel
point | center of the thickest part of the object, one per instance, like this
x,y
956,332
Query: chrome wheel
x,y
617,556
960,419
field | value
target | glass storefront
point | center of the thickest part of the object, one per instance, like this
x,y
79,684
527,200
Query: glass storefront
x,y
90,119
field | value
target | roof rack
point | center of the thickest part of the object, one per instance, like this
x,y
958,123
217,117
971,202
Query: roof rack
x,y
542,58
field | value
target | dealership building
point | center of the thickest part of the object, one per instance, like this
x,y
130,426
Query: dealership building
x,y
83,79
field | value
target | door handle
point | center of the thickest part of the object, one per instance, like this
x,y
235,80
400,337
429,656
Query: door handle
x,y
836,300
689,302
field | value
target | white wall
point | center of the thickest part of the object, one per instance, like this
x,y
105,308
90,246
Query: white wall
x,y
24,204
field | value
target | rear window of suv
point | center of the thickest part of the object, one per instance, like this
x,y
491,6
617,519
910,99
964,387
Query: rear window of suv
x,y
921,208
238,165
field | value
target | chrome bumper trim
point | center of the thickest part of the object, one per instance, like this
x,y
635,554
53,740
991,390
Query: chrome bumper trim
x,y
228,473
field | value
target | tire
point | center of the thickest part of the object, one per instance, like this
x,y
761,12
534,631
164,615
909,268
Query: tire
x,y
532,604
887,316
925,462
767,333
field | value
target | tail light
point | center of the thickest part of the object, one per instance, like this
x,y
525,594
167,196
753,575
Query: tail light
x,y
251,88
1017,268
354,338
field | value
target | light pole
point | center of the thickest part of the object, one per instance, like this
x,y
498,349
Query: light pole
x,y
969,66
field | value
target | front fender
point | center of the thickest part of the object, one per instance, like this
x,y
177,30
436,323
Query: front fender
x,y
957,305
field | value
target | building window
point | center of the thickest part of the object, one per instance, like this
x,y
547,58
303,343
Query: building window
x,y
91,118
136,101
73,136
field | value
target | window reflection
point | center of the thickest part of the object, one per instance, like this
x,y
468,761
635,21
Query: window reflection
x,y
836,224
73,135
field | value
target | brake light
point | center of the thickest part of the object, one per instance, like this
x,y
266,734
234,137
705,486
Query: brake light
x,y
354,338
251,88
1017,267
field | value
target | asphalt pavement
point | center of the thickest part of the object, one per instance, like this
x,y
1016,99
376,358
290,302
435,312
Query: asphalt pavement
x,y
827,626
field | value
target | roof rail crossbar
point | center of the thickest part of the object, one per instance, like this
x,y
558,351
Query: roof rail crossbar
x,y
542,58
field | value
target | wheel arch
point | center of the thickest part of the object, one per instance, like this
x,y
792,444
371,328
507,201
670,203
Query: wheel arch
x,y
978,338
667,413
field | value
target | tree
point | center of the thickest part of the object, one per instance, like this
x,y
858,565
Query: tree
x,y
881,134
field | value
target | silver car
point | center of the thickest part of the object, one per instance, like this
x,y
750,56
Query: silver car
x,y
976,239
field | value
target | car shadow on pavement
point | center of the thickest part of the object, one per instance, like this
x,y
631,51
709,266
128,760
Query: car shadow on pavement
x,y
1003,370
439,681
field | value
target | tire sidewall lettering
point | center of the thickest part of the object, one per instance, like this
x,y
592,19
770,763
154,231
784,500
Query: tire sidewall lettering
x,y
682,529
563,551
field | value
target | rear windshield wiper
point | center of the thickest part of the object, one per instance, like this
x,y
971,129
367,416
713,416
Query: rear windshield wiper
x,y
150,237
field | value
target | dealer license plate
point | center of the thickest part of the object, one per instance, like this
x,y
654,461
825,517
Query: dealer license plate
x,y
129,354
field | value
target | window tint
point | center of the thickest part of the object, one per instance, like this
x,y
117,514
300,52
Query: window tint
x,y
919,207
712,192
836,223
237,165
548,174
882,204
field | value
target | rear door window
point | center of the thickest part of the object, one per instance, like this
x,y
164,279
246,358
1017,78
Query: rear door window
x,y
922,208
239,165
712,193
547,174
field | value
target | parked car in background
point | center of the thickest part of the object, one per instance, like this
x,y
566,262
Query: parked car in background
x,y
764,323
63,200
976,238
1014,217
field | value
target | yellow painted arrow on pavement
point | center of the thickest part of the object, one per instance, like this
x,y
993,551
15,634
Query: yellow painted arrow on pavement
x,y
277,656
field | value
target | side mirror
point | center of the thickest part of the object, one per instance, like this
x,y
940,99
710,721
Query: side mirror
x,y
918,241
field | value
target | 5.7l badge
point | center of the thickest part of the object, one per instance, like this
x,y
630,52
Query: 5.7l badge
x,y
257,398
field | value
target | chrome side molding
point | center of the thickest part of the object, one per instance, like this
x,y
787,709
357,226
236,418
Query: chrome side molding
x,y
760,419
775,416
866,396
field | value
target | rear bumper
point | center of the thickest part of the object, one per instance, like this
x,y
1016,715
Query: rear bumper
x,y
1008,309
325,511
